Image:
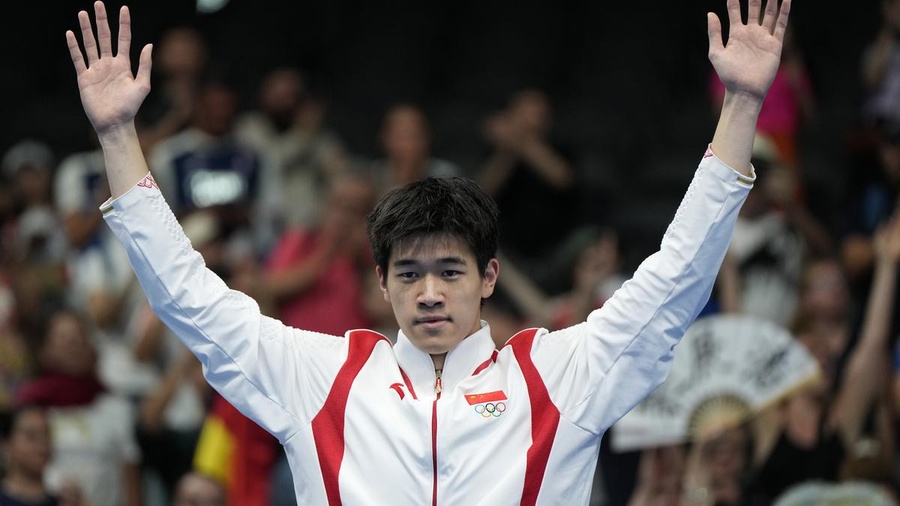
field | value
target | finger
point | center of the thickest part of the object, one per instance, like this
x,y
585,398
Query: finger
x,y
87,35
781,24
714,31
144,65
103,36
123,48
734,12
753,10
771,15
75,53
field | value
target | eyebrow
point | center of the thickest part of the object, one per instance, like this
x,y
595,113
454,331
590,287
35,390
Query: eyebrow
x,y
406,262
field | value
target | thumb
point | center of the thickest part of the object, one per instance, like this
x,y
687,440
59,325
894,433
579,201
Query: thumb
x,y
714,31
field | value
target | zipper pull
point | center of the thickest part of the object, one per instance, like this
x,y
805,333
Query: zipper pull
x,y
438,385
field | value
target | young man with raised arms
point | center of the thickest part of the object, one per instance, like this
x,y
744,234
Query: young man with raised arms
x,y
441,417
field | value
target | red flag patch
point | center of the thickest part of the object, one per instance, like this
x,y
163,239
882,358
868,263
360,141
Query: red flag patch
x,y
495,396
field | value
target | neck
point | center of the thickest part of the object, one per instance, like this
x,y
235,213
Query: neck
x,y
438,360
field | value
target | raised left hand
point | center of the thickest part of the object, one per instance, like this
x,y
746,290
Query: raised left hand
x,y
747,64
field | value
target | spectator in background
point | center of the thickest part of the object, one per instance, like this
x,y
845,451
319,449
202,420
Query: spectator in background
x,y
836,430
406,142
712,470
98,268
34,234
287,128
594,274
207,167
171,416
27,449
870,203
881,68
318,277
100,282
773,236
822,433
30,166
93,431
526,168
180,63
823,320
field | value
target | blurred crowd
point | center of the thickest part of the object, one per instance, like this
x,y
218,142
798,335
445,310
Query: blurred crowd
x,y
101,405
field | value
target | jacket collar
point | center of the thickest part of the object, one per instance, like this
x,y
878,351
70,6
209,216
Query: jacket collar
x,y
459,364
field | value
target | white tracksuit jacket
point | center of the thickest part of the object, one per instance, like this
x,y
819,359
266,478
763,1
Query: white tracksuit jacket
x,y
362,421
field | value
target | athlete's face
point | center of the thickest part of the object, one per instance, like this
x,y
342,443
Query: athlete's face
x,y
434,286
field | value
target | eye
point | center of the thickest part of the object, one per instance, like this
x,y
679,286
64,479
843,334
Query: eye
x,y
407,275
450,273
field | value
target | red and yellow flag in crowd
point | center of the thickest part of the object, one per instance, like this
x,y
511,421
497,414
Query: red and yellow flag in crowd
x,y
238,452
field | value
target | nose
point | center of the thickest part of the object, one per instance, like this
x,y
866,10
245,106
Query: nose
x,y
431,294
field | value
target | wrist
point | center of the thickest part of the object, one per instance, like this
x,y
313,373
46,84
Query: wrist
x,y
117,135
743,102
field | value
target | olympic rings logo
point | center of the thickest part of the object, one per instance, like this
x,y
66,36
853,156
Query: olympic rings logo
x,y
491,409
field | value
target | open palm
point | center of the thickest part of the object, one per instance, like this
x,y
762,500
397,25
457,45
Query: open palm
x,y
110,93
750,60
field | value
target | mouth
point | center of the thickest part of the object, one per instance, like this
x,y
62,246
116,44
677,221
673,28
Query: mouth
x,y
432,322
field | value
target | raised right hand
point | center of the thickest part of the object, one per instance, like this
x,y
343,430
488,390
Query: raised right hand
x,y
110,93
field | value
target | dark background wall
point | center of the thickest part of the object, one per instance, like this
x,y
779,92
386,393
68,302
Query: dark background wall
x,y
627,78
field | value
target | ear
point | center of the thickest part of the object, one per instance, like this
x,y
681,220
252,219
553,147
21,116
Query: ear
x,y
489,280
382,283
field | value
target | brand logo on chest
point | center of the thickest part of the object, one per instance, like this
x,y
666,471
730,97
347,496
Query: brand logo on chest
x,y
489,404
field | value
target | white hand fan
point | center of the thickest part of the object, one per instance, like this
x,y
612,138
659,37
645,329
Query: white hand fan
x,y
725,369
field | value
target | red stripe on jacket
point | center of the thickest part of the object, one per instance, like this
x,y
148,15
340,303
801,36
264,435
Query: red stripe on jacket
x,y
544,417
328,425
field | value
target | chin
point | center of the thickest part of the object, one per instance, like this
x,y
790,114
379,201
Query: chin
x,y
434,344
434,348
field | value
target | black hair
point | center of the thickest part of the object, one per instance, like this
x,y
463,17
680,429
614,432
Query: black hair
x,y
455,206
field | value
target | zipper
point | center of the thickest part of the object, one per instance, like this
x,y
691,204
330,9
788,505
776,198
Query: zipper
x,y
438,386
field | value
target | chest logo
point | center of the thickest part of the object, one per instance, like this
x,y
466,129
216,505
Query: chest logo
x,y
398,387
489,404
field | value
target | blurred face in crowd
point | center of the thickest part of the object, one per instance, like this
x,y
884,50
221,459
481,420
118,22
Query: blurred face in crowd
x,y
198,490
345,210
825,289
598,259
67,348
435,289
216,108
28,449
181,53
824,296
350,200
281,96
727,454
405,133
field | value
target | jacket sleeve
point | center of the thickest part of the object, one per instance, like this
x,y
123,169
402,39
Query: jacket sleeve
x,y
596,371
276,375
